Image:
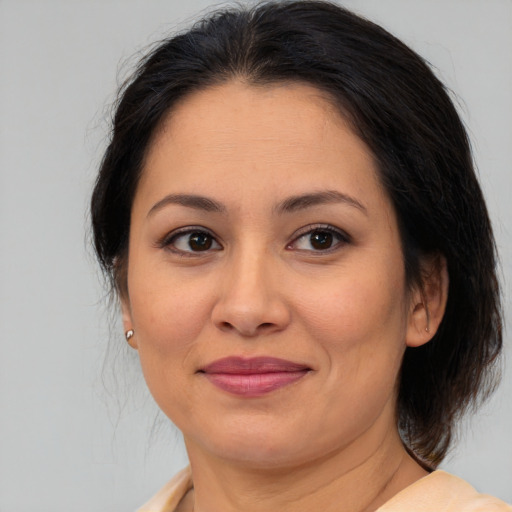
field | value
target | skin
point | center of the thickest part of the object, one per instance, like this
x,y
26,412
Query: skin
x,y
328,440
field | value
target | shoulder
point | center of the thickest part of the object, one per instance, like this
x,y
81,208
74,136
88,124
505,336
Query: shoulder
x,y
437,492
169,496
443,492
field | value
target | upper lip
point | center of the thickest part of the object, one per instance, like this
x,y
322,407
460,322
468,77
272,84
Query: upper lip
x,y
253,365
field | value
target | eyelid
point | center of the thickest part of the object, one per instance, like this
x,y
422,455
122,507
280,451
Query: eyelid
x,y
166,241
345,238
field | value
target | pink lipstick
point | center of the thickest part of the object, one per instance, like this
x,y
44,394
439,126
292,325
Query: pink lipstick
x,y
253,377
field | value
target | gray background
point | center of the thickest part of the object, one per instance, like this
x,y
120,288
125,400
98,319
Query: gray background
x,y
78,434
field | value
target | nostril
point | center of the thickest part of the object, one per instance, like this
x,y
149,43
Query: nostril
x,y
246,330
226,326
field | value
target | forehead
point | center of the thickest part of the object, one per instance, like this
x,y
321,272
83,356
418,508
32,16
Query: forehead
x,y
281,136
236,98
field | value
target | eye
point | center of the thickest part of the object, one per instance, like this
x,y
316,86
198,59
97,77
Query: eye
x,y
321,238
191,241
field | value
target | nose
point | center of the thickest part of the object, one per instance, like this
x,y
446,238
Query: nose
x,y
250,301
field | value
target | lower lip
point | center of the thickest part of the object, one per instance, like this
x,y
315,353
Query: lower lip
x,y
255,384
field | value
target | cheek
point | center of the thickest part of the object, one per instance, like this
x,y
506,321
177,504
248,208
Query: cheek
x,y
168,316
168,321
360,324
361,330
357,308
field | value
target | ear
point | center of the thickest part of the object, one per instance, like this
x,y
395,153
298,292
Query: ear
x,y
428,301
127,322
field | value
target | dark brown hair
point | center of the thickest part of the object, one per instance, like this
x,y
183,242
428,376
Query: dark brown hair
x,y
403,113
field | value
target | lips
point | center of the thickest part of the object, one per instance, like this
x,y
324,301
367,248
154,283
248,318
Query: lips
x,y
253,377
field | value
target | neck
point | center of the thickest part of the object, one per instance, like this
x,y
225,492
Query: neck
x,y
356,479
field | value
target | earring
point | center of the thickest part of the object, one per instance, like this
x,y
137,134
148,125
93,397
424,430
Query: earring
x,y
129,334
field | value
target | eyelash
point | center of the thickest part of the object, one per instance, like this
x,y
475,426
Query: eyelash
x,y
343,238
170,239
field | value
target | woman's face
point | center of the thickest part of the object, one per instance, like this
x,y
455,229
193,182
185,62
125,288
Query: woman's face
x,y
266,281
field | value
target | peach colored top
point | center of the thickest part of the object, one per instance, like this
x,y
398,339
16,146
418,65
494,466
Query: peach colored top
x,y
437,492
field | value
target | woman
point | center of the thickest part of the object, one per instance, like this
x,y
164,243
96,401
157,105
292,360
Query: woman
x,y
289,214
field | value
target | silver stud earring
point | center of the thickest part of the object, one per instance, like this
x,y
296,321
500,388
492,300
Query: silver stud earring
x,y
129,334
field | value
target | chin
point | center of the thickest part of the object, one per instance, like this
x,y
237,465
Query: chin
x,y
267,447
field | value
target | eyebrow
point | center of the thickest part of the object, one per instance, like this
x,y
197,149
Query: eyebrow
x,y
190,201
303,201
289,205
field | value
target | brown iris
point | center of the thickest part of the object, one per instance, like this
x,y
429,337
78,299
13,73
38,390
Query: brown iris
x,y
200,241
321,239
